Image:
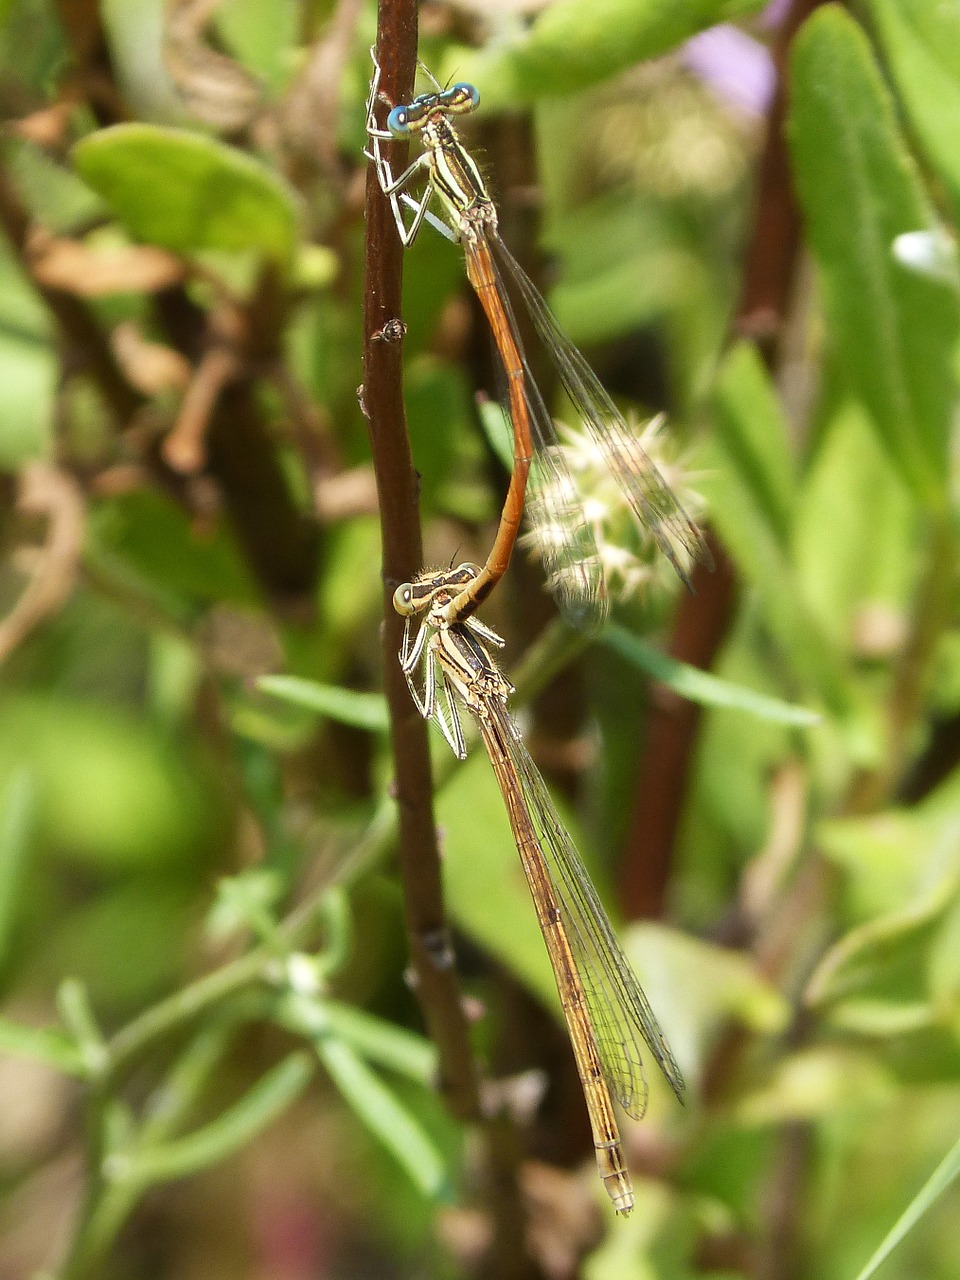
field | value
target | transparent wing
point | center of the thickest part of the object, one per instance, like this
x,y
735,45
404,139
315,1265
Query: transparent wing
x,y
554,506
619,1011
654,503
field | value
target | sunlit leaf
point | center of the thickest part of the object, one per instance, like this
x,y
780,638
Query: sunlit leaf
x,y
755,435
46,1044
816,1082
571,46
894,331
920,41
188,192
697,989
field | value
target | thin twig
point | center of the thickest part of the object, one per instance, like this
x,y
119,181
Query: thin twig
x,y
56,495
382,398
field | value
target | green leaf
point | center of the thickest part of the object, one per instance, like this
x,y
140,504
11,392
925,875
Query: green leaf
x,y
246,901
17,822
855,535
699,686
373,1038
386,1117
187,192
483,878
223,1137
895,331
895,857
755,437
817,1082
381,1042
572,45
28,377
754,546
498,429
920,41
942,1177
696,988
149,544
885,956
362,710
112,794
75,1008
47,1044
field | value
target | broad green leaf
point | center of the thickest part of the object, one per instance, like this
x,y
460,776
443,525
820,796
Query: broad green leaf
x,y
386,1117
265,36
855,543
702,687
485,885
753,545
572,45
498,429
28,376
920,41
362,710
47,1044
147,916
111,794
755,438
232,1130
439,417
942,1177
696,989
895,332
885,957
18,808
815,1082
148,543
188,192
891,858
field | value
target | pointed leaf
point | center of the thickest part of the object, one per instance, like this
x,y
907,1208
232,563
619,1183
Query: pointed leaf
x,y
920,41
895,331
942,1177
362,710
223,1137
386,1117
700,686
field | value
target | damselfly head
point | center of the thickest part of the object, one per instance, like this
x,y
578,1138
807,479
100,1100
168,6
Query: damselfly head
x,y
410,117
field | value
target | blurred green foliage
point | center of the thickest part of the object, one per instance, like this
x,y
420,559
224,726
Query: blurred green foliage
x,y
201,929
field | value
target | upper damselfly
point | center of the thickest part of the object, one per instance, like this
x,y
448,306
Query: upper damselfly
x,y
564,535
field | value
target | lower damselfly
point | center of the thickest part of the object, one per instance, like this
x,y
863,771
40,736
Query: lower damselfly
x,y
448,666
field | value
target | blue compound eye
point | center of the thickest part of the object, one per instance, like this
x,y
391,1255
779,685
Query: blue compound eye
x,y
397,122
463,97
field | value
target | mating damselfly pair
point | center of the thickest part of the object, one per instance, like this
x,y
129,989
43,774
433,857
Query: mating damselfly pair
x,y
447,661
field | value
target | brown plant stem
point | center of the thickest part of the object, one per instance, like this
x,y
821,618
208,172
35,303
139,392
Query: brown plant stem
x,y
397,487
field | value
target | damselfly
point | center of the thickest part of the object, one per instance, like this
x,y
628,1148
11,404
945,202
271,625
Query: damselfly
x,y
565,537
606,1011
